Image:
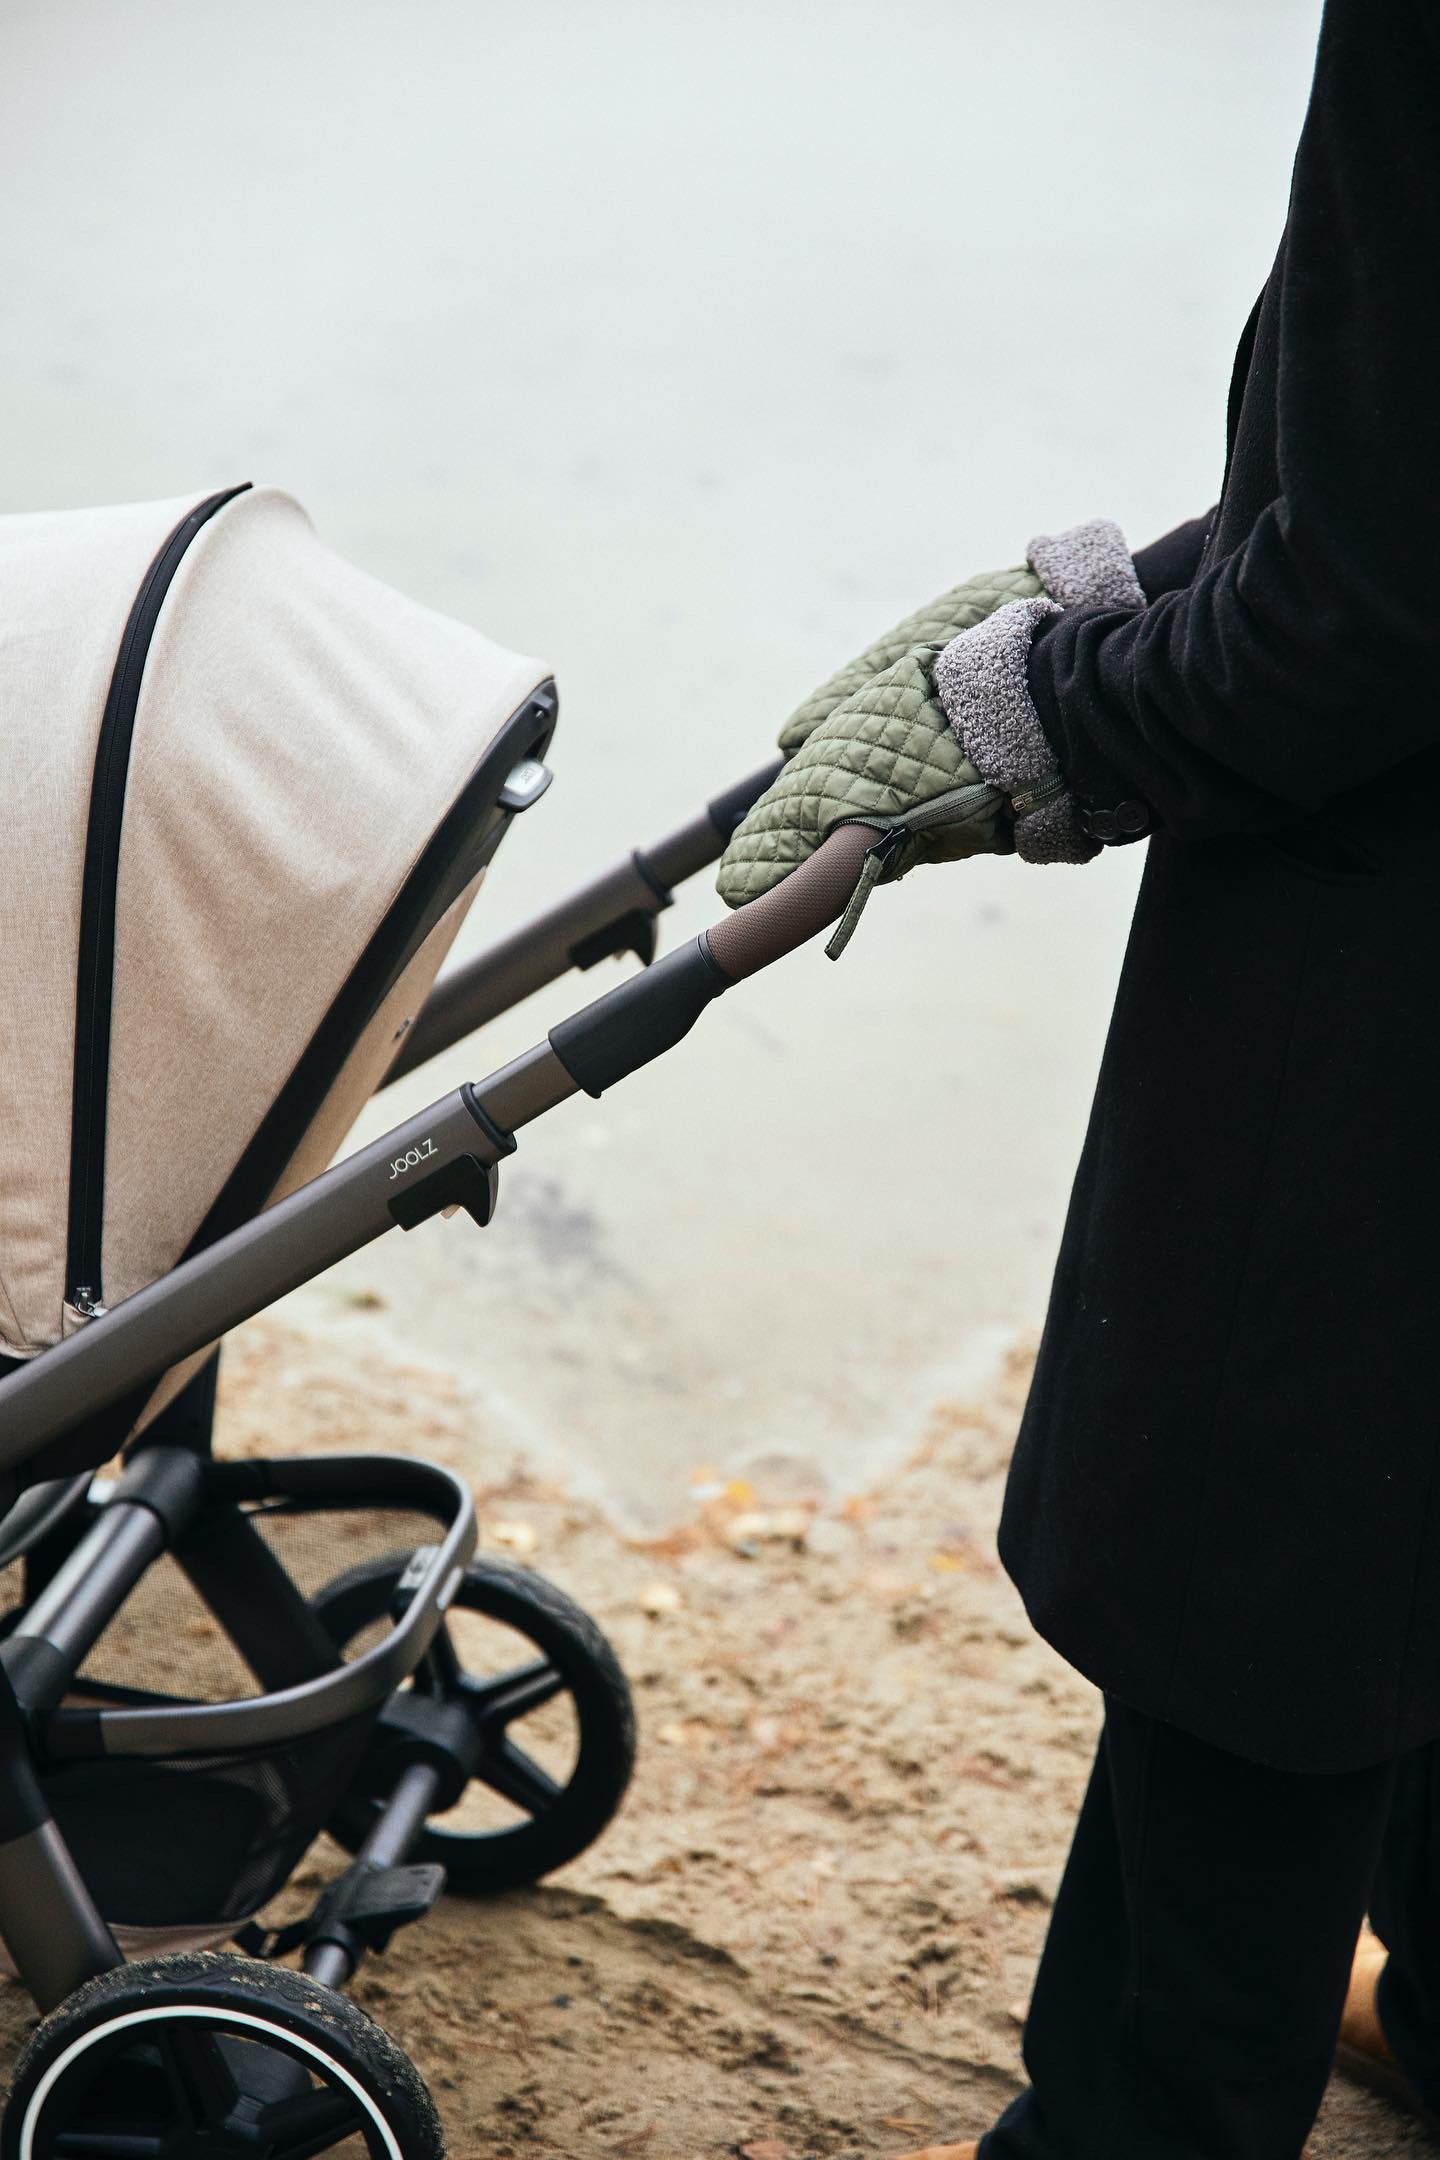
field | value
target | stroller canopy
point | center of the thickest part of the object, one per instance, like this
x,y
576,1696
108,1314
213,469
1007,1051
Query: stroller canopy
x,y
243,780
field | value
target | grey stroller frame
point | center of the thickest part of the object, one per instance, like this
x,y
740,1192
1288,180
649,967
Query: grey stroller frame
x,y
85,1549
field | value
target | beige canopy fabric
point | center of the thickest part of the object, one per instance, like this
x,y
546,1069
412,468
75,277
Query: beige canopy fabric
x,y
301,730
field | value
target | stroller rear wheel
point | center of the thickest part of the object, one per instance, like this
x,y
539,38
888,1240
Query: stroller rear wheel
x,y
528,1808
208,2055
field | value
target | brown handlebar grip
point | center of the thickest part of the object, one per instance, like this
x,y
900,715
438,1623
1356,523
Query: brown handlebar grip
x,y
799,907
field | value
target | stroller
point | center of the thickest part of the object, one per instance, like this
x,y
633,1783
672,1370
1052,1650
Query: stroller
x,y
257,793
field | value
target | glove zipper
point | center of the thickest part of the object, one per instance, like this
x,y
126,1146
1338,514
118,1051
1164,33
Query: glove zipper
x,y
1037,793
877,861
889,845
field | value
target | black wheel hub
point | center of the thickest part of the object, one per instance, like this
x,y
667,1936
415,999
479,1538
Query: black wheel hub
x,y
193,2092
472,1726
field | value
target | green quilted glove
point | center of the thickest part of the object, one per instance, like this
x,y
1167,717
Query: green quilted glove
x,y
876,746
928,629
887,757
873,745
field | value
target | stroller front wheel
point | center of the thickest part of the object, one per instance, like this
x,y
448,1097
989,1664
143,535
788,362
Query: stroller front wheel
x,y
549,1703
212,2054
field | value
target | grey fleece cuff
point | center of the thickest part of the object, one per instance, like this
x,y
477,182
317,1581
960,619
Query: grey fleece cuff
x,y
981,681
1088,566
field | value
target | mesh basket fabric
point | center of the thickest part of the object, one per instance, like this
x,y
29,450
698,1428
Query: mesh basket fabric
x,y
202,1840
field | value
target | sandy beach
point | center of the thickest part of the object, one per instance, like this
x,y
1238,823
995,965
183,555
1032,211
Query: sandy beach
x,y
811,1932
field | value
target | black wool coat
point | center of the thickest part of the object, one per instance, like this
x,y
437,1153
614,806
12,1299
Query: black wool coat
x,y
1225,1500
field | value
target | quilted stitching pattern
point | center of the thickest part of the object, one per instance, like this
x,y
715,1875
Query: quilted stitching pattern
x,y
932,626
887,748
873,741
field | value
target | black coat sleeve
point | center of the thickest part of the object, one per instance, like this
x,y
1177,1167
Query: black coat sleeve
x,y
1172,561
1305,657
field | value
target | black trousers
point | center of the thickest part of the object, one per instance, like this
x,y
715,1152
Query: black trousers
x,y
1189,1996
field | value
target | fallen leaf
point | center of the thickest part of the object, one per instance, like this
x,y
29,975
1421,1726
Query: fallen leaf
x,y
782,1526
690,1733
765,2149
516,1537
790,1523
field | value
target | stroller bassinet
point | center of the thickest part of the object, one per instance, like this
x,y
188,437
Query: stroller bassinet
x,y
244,846
255,792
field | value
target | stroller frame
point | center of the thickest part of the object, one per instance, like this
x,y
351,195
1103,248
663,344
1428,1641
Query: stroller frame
x,y
85,1550
406,1755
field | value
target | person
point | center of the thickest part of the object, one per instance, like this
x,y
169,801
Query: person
x,y
1223,1506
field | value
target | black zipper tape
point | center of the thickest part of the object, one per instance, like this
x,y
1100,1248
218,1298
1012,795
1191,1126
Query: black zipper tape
x,y
95,979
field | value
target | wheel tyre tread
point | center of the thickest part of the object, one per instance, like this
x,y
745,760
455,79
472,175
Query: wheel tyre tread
x,y
228,1980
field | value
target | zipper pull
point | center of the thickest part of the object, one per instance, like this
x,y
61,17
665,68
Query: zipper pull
x,y
86,1305
1037,793
878,860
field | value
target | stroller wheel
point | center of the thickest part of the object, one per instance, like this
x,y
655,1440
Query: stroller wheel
x,y
210,2054
552,1707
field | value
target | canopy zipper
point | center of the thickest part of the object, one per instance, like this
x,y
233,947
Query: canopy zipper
x,y
95,973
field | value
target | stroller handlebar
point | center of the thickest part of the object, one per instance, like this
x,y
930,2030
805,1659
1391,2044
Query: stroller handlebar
x,y
611,914
799,908
651,1012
